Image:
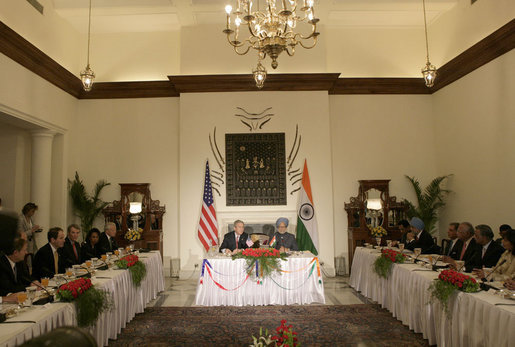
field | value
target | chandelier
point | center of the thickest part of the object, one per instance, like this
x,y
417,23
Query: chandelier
x,y
428,71
87,75
272,29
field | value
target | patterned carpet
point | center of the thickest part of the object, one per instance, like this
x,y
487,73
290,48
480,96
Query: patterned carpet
x,y
348,325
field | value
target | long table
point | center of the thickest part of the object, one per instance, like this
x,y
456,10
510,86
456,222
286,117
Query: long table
x,y
128,301
475,318
226,282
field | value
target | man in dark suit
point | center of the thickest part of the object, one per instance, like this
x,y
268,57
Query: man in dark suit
x,y
236,240
488,252
468,249
71,248
419,238
107,243
14,273
48,260
454,246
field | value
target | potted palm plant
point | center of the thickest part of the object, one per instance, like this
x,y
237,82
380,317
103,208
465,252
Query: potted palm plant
x,y
86,207
429,201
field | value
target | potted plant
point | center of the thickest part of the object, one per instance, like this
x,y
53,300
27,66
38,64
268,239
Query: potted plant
x,y
86,207
429,201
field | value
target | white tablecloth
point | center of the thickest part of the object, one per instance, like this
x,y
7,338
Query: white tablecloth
x,y
128,301
224,281
475,319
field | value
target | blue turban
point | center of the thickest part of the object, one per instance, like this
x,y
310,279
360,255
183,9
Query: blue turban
x,y
417,223
282,220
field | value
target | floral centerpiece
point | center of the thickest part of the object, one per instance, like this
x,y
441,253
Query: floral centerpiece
x,y
135,266
90,302
285,336
448,283
383,264
378,231
133,235
264,260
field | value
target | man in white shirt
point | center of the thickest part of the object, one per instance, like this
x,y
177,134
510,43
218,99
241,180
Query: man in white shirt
x,y
236,240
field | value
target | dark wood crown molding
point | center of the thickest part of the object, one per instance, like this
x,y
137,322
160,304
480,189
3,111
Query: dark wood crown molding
x,y
23,52
245,83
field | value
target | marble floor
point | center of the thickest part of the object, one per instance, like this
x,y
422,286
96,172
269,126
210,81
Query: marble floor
x,y
181,292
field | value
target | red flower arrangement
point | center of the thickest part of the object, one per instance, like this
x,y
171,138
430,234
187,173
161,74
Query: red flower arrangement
x,y
261,252
90,302
447,283
136,268
72,290
285,337
383,264
127,261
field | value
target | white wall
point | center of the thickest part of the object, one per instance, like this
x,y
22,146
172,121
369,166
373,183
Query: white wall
x,y
378,137
129,141
200,113
474,129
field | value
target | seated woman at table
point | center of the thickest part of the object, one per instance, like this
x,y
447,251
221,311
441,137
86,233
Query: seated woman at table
x,y
90,248
505,268
284,241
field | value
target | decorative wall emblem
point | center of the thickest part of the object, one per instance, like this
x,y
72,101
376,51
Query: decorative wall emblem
x,y
254,121
256,169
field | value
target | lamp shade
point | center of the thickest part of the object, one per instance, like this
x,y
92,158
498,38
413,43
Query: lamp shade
x,y
374,204
135,207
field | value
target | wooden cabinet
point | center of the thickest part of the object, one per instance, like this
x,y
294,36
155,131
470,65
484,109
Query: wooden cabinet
x,y
359,216
150,219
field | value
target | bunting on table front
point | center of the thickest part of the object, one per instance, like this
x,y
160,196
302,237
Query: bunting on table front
x,y
307,233
208,226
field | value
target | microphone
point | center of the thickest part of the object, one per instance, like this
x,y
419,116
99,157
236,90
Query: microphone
x,y
485,279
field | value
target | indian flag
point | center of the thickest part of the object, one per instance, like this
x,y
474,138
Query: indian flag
x,y
273,241
307,233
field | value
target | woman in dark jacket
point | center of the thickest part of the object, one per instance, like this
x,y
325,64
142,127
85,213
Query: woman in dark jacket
x,y
90,247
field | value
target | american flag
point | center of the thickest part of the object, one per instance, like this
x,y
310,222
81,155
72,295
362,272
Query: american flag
x,y
208,226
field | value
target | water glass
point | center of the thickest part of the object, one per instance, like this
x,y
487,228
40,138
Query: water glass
x,y
389,243
69,272
378,240
417,251
401,247
44,281
31,293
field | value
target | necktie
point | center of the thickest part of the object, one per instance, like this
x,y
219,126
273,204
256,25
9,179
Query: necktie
x,y
75,251
463,250
483,252
237,241
15,274
56,262
110,244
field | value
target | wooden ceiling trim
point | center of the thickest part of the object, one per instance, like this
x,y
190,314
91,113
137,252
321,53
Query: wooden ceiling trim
x,y
491,47
23,52
245,83
26,54
121,90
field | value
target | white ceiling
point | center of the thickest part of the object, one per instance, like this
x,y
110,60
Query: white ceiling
x,y
112,16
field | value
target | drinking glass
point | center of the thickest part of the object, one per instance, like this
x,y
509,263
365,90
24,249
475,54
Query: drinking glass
x,y
104,257
116,252
88,263
401,247
378,240
21,297
417,252
44,282
31,293
131,246
69,272
389,243
127,249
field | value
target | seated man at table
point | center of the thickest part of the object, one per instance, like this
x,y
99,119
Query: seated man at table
x,y
48,260
419,238
404,228
489,252
237,240
282,240
469,246
106,242
71,248
453,248
14,273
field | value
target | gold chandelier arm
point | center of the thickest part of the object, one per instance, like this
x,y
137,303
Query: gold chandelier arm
x,y
244,52
314,30
315,39
292,53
